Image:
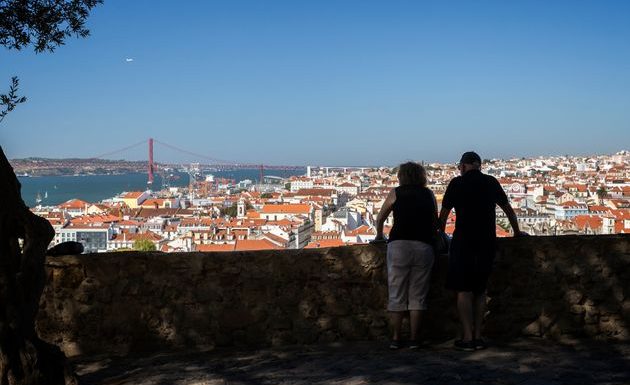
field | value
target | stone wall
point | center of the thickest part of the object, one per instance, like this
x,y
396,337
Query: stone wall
x,y
122,302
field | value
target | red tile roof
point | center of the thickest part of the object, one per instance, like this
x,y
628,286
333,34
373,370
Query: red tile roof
x,y
258,244
590,221
361,230
132,194
74,204
325,243
216,247
315,192
286,209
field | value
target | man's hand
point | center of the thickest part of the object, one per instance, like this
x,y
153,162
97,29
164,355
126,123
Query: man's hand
x,y
378,239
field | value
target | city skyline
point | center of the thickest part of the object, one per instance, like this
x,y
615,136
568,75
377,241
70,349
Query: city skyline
x,y
325,207
255,166
352,83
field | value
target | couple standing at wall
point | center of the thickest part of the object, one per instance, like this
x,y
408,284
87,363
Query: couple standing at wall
x,y
410,249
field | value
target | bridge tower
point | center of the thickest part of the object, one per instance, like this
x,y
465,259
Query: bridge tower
x,y
151,165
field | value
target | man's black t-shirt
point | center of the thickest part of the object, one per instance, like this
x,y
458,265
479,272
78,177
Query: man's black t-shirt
x,y
474,196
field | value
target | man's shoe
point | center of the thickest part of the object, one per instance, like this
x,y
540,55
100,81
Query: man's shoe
x,y
467,346
415,345
480,344
395,345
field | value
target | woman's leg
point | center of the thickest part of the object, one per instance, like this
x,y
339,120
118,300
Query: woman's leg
x,y
419,281
395,318
415,319
397,279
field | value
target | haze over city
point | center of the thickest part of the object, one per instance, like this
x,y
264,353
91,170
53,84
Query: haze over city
x,y
329,82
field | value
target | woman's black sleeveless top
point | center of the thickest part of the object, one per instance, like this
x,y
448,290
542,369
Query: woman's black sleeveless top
x,y
414,209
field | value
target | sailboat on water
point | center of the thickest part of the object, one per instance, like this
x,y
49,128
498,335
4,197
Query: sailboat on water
x,y
38,198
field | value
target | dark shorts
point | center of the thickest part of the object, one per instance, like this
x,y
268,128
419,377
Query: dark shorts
x,y
469,265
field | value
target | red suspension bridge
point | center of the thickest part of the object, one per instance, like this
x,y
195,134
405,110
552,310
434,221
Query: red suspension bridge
x,y
220,164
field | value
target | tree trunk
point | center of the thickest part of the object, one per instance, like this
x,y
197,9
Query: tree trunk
x,y
24,357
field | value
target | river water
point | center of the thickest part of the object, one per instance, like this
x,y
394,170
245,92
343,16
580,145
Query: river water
x,y
54,190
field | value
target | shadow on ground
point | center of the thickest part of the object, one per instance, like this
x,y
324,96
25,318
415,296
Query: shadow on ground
x,y
524,361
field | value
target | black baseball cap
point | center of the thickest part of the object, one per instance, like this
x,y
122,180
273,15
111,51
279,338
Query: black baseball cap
x,y
470,157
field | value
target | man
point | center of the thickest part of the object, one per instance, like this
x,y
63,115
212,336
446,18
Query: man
x,y
474,196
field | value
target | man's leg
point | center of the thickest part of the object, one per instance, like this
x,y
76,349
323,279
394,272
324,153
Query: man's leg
x,y
480,310
465,311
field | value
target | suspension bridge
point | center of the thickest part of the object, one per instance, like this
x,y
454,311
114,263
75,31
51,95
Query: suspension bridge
x,y
210,162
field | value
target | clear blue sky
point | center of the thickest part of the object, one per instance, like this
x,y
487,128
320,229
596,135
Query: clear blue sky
x,y
330,81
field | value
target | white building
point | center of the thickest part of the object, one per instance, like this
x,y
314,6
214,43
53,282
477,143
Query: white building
x,y
94,237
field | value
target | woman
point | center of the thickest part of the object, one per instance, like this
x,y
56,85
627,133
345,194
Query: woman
x,y
410,248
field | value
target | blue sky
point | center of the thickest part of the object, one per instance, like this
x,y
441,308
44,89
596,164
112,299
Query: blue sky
x,y
330,82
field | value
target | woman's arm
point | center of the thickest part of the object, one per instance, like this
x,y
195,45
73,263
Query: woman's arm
x,y
434,214
386,209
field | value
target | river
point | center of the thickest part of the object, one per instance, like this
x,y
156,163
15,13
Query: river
x,y
54,190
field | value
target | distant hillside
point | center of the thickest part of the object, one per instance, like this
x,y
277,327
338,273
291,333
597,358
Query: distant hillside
x,y
74,166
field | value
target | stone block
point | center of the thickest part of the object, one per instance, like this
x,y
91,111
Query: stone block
x,y
239,338
591,318
334,303
237,318
328,337
325,323
68,277
259,313
255,335
613,326
207,291
618,293
592,329
577,309
282,338
577,271
378,323
352,328
532,329
308,309
573,296
104,295
599,294
231,270
223,339
281,323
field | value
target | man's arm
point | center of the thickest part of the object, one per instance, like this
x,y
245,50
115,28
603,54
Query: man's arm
x,y
444,217
509,211
447,203
386,209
